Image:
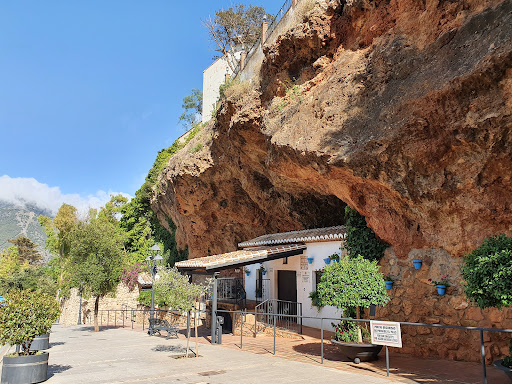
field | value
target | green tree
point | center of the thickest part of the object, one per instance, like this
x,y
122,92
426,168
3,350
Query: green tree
x,y
352,283
238,26
96,259
26,249
360,239
178,292
488,274
26,315
58,231
30,278
192,109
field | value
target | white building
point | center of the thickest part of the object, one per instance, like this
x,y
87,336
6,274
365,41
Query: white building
x,y
213,77
282,270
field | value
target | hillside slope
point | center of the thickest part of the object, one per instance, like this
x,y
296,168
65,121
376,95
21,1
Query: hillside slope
x,y
16,221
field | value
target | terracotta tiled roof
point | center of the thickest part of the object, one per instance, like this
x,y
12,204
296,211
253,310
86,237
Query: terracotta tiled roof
x,y
145,279
242,257
303,236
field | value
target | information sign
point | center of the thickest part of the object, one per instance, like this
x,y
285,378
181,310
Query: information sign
x,y
386,333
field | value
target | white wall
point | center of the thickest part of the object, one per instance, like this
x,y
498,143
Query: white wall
x,y
305,280
213,77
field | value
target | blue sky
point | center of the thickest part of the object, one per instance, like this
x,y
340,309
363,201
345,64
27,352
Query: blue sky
x,y
90,90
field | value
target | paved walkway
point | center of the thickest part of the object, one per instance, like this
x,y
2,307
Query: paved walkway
x,y
79,355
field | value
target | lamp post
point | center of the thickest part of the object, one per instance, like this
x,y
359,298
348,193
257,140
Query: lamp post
x,y
80,307
152,259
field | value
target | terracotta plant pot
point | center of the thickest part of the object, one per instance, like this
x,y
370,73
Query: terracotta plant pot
x,y
508,371
365,352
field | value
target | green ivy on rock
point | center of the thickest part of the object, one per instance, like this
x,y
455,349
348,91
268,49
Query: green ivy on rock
x,y
360,239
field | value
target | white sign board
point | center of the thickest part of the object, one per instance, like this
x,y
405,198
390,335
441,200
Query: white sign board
x,y
386,333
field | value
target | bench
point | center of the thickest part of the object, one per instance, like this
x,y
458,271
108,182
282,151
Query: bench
x,y
158,325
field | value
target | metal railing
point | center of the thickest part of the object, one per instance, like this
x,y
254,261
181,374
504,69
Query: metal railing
x,y
128,317
279,313
230,289
262,289
275,21
274,319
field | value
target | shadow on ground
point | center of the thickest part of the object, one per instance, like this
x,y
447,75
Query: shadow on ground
x,y
53,344
56,368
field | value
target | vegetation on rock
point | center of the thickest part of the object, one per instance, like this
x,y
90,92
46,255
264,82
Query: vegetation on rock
x,y
238,26
361,240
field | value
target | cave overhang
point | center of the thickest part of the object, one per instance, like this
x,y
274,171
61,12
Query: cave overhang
x,y
241,258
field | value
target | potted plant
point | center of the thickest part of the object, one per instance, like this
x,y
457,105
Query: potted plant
x,y
505,365
334,257
352,284
487,272
263,270
315,300
441,285
388,280
310,260
247,271
327,260
417,264
25,316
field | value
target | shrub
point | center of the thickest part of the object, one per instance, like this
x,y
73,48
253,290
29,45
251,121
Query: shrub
x,y
196,148
315,300
26,315
130,275
235,89
488,273
352,282
360,239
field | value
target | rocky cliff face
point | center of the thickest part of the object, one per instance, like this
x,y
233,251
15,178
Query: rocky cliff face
x,y
400,109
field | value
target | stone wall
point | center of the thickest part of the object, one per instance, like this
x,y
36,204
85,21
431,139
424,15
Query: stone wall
x,y
415,299
123,299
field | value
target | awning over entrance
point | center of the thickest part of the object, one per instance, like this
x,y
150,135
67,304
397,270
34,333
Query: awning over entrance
x,y
214,263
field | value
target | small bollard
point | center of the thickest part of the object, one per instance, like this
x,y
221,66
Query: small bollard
x,y
220,321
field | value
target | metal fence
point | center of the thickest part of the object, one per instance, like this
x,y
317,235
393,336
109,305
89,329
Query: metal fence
x,y
279,313
275,21
321,321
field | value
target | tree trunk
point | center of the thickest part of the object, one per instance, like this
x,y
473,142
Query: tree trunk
x,y
359,333
96,310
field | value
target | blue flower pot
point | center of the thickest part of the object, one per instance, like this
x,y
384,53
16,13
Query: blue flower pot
x,y
310,260
389,284
263,273
441,289
417,264
248,273
327,261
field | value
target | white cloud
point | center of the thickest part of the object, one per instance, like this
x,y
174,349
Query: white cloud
x,y
28,191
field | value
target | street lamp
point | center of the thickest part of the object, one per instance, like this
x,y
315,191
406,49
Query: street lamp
x,y
152,259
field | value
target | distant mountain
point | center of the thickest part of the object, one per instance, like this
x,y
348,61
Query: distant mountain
x,y
17,220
